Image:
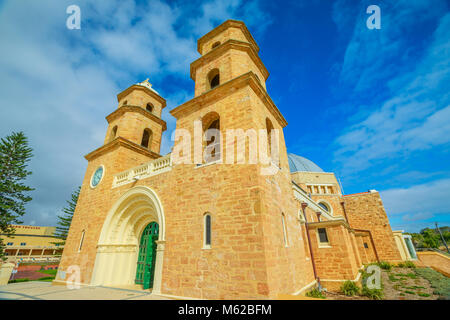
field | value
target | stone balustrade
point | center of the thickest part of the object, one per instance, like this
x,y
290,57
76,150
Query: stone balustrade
x,y
143,171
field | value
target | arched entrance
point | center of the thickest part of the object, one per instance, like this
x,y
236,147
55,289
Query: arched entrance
x,y
126,224
145,269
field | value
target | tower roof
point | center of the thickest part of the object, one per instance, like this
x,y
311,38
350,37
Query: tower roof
x,y
144,86
299,163
148,85
227,24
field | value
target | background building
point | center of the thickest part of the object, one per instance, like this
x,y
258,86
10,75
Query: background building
x,y
32,244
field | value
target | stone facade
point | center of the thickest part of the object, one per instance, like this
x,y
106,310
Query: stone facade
x,y
259,235
365,211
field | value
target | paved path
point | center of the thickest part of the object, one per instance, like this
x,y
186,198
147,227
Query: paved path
x,y
40,290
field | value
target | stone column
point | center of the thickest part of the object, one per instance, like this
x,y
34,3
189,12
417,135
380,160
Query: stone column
x,y
5,273
158,266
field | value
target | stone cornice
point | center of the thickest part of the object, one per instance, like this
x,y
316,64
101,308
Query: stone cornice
x,y
227,24
120,142
226,46
329,223
301,196
146,90
217,93
128,108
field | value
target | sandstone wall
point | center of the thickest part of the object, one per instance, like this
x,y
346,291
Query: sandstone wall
x,y
366,211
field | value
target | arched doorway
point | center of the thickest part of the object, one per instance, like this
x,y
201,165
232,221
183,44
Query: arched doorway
x,y
118,251
145,269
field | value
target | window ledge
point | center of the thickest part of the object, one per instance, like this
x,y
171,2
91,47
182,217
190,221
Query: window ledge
x,y
324,246
208,164
206,247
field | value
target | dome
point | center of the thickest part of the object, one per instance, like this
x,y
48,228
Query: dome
x,y
298,163
148,85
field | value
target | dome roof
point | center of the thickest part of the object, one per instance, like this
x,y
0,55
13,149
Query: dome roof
x,y
148,85
298,163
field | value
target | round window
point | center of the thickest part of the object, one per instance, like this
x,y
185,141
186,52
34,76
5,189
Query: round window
x,y
324,206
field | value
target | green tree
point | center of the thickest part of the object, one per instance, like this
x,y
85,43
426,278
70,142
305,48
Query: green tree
x,y
64,220
430,238
15,154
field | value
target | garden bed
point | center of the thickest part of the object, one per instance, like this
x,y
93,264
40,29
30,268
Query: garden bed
x,y
401,282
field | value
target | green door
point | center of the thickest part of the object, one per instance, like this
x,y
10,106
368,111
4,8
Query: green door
x,y
147,256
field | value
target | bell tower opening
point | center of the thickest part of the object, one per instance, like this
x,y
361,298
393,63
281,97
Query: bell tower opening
x,y
231,49
146,138
213,78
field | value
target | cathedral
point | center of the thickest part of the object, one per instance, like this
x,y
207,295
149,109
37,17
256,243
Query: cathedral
x,y
208,228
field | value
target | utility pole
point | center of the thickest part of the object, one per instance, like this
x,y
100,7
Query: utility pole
x,y
442,237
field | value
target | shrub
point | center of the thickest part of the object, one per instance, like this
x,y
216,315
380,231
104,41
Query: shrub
x,y
19,280
385,265
375,294
349,288
315,293
46,279
410,292
422,294
409,264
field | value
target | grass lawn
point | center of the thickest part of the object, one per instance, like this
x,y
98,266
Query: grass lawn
x,y
50,272
439,282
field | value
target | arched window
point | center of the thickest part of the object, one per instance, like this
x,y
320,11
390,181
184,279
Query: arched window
x,y
324,206
213,78
146,138
207,232
81,241
211,127
149,107
113,133
283,224
215,44
125,103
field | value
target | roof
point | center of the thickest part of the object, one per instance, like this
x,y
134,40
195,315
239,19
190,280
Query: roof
x,y
299,163
148,85
227,24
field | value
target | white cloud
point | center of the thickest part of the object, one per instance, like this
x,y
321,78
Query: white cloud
x,y
416,116
423,199
373,55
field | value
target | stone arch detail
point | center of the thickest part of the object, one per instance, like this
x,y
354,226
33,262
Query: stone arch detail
x,y
118,245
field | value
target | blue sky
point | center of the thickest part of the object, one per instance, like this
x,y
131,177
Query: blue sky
x,y
373,106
